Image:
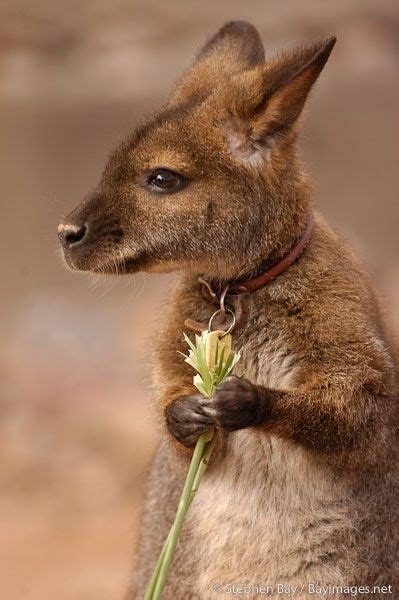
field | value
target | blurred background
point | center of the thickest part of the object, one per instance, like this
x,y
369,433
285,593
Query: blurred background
x,y
76,428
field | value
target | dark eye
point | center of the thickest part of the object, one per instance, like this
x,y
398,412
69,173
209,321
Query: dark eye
x,y
165,181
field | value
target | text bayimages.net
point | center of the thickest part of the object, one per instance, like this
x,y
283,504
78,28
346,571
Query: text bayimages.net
x,y
315,589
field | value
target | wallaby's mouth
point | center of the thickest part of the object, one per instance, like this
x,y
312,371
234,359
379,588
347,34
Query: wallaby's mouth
x,y
121,266
106,265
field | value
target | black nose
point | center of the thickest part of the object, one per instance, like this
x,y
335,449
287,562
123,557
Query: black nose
x,y
71,234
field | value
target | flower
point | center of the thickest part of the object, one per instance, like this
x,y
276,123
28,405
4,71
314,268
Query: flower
x,y
213,359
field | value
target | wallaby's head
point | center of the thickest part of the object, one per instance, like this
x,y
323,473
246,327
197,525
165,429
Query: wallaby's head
x,y
213,182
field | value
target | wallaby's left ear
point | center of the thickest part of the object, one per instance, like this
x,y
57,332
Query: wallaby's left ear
x,y
236,47
269,99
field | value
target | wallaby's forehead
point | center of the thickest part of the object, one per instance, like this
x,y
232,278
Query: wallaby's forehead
x,y
163,119
175,138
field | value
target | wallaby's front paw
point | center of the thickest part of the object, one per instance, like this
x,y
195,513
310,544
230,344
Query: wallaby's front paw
x,y
236,404
186,419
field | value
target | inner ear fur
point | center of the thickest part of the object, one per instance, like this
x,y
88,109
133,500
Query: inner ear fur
x,y
235,48
267,100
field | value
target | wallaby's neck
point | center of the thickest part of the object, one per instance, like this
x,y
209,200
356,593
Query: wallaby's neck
x,y
275,238
266,272
270,269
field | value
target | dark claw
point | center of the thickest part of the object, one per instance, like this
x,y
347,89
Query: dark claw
x,y
236,404
186,420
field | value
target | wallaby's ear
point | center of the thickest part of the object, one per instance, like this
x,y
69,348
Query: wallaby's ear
x,y
234,48
268,100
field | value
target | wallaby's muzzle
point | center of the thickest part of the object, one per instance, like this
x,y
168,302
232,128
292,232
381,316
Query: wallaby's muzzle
x,y
90,234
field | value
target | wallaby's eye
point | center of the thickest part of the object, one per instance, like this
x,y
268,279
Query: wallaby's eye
x,y
165,181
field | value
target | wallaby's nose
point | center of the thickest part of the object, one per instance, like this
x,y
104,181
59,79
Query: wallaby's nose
x,y
71,234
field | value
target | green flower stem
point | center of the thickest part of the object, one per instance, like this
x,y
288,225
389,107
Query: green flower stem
x,y
184,503
154,577
207,450
203,465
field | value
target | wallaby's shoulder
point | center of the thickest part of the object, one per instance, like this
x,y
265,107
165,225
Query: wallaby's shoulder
x,y
333,293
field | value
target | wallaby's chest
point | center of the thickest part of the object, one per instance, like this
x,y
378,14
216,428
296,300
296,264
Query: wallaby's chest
x,y
267,361
255,512
264,514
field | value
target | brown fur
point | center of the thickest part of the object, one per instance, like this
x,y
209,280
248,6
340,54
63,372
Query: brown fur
x,y
303,486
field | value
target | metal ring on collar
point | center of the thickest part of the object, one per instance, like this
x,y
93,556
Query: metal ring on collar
x,y
223,310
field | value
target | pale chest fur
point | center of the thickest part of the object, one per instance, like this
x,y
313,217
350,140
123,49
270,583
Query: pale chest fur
x,y
267,512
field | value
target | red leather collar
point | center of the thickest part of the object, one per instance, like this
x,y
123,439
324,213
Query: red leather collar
x,y
257,282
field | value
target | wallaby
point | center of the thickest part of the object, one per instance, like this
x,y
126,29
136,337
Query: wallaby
x,y
302,488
